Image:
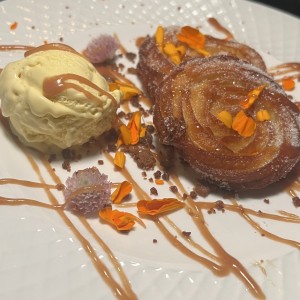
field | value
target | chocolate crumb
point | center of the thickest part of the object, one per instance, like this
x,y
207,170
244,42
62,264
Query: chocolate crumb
x,y
267,201
184,196
142,155
144,174
153,191
193,194
130,56
211,211
296,201
154,241
157,174
173,189
66,166
100,162
220,205
165,176
150,179
186,233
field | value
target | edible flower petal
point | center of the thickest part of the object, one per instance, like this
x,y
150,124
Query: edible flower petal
x,y
158,206
128,90
288,84
243,124
252,97
159,36
263,115
193,38
119,159
225,117
174,53
123,189
125,134
123,221
134,126
131,133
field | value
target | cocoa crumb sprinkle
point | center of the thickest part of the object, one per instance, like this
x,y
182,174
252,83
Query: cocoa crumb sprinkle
x,y
157,174
220,205
186,233
296,201
173,189
153,191
66,166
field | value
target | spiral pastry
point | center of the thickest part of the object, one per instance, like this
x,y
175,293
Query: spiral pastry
x,y
230,121
154,64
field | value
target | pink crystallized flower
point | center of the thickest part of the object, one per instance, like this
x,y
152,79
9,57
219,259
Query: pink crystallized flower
x,y
101,49
87,191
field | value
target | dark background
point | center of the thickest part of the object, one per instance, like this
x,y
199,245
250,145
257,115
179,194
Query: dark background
x,y
289,6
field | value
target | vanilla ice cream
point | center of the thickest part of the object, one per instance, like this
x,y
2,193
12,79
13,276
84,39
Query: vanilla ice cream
x,y
54,98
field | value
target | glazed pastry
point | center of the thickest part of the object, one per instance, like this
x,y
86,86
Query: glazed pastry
x,y
156,60
230,121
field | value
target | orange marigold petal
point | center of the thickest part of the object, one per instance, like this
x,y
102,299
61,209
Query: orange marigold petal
x,y
159,181
155,207
125,134
225,117
159,35
119,159
263,115
192,37
252,97
123,221
121,192
243,124
288,84
134,126
13,26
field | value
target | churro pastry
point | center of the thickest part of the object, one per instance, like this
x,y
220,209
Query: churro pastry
x,y
230,121
170,46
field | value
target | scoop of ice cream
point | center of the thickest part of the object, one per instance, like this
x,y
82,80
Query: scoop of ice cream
x,y
54,98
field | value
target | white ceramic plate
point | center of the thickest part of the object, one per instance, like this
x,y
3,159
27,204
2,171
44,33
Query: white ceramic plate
x,y
40,257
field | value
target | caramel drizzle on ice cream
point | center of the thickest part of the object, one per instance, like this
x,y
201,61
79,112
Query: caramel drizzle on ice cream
x,y
55,85
51,46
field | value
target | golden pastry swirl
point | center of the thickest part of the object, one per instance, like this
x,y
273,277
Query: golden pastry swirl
x,y
154,65
187,116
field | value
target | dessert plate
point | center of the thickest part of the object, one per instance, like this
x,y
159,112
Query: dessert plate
x,y
42,258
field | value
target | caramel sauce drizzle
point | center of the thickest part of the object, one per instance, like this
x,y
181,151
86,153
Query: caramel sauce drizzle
x,y
285,70
16,47
55,85
216,24
51,46
227,262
